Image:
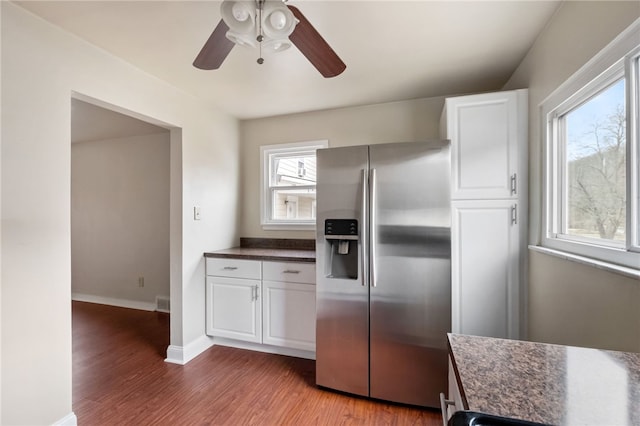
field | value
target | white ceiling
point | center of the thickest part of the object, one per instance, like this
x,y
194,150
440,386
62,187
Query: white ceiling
x,y
394,50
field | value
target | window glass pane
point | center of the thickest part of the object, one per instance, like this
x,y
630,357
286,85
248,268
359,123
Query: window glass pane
x,y
293,170
595,167
299,204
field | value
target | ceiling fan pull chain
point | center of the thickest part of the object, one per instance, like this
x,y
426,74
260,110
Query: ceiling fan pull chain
x,y
260,36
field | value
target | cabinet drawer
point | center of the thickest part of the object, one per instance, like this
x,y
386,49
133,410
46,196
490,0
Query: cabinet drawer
x,y
292,272
234,268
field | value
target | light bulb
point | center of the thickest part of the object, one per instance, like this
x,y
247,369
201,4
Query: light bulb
x,y
278,20
240,11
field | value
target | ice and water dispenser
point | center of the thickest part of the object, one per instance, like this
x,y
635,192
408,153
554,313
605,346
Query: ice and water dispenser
x,y
341,237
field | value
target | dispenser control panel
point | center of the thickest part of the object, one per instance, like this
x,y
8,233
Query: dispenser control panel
x,y
342,227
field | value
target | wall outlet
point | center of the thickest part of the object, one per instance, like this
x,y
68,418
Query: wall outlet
x,y
140,281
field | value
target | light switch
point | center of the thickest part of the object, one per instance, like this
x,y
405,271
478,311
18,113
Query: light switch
x,y
196,213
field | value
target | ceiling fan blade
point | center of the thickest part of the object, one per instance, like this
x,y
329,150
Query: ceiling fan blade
x,y
314,47
215,50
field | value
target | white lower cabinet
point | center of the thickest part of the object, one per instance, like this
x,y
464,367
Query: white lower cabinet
x,y
485,280
289,315
454,402
272,303
234,308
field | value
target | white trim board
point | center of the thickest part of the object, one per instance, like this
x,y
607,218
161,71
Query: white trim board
x,y
68,420
183,354
605,266
112,301
258,347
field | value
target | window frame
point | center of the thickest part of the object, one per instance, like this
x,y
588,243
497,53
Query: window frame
x,y
267,190
619,59
632,68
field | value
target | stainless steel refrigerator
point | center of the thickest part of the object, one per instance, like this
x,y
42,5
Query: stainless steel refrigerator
x,y
383,265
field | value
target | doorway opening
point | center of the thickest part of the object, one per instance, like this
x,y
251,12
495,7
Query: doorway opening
x,y
126,204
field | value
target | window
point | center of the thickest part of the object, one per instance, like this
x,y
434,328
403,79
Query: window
x,y
591,158
289,185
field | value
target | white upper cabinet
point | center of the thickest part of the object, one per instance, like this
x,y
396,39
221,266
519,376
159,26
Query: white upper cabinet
x,y
485,132
488,134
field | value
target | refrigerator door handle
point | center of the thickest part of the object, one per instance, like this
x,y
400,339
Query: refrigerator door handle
x,y
372,228
363,227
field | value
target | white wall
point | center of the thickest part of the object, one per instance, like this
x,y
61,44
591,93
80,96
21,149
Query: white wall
x,y
570,303
120,219
41,67
404,121
1,115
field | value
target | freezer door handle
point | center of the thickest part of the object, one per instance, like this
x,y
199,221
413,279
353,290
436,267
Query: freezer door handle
x,y
372,228
363,227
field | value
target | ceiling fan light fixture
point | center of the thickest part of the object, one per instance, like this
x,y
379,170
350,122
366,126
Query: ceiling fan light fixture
x,y
239,16
278,21
276,45
242,39
240,11
267,25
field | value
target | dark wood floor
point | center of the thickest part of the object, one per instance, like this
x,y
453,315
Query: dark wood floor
x,y
120,378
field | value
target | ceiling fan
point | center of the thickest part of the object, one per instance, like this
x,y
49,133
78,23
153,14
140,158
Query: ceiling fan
x,y
268,25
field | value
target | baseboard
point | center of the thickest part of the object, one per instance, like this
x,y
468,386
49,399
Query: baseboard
x,y
68,420
183,354
298,353
112,301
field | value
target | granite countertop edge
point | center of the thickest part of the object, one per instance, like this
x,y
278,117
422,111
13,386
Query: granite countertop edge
x,y
283,255
532,381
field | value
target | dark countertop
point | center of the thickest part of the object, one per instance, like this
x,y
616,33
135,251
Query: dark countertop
x,y
278,249
546,383
250,253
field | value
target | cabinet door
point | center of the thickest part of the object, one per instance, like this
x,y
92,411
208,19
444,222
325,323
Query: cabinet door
x,y
455,396
289,315
485,262
234,309
484,132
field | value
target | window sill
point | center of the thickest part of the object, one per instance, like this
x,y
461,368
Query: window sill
x,y
609,267
288,227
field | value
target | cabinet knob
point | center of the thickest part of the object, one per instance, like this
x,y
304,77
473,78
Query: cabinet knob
x,y
230,268
290,271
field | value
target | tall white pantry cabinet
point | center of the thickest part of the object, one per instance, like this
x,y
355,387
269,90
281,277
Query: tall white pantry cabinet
x,y
488,134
